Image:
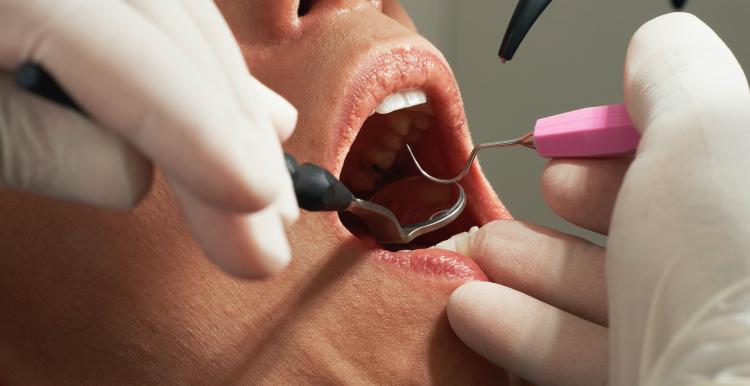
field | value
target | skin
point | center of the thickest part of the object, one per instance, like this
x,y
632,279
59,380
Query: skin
x,y
91,296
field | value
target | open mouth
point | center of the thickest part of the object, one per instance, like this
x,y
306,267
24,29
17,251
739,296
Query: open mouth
x,y
416,103
379,169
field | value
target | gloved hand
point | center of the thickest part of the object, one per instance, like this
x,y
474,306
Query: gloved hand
x,y
678,254
165,82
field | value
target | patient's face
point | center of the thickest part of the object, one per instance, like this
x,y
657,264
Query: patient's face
x,y
103,297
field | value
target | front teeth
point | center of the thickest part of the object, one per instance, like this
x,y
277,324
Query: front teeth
x,y
458,243
399,122
408,115
380,159
401,100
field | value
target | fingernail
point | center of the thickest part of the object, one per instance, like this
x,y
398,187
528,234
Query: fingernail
x,y
272,246
288,207
280,256
283,114
264,167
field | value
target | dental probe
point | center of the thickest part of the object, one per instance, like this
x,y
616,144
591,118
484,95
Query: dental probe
x,y
316,188
591,132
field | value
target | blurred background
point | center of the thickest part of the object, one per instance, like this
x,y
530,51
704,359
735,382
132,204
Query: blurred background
x,y
571,58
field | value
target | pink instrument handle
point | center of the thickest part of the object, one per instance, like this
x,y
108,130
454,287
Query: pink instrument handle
x,y
590,132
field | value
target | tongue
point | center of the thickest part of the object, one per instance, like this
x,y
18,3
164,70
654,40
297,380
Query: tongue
x,y
415,199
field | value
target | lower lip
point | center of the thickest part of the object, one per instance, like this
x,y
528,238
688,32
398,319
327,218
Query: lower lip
x,y
433,262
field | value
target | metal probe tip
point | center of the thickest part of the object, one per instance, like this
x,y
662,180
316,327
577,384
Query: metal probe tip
x,y
526,141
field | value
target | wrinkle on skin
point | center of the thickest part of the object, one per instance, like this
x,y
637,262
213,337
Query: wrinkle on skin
x,y
103,297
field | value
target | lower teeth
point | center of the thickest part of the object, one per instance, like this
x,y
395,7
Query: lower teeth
x,y
459,243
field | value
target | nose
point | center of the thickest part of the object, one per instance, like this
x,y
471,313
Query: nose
x,y
279,20
306,6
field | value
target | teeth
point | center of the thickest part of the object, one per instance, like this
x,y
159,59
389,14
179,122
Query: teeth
x,y
401,100
414,136
380,157
424,108
458,243
390,141
406,115
399,122
421,121
362,181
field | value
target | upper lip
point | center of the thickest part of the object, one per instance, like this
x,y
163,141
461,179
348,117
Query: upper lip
x,y
393,69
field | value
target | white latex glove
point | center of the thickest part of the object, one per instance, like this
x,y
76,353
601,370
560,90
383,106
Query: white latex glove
x,y
678,269
678,256
165,82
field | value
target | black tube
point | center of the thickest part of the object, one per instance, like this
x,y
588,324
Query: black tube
x,y
524,16
678,4
316,188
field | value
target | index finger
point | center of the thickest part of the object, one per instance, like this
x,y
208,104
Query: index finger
x,y
583,191
144,87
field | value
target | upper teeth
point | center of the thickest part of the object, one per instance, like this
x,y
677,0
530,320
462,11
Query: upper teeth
x,y
401,100
407,115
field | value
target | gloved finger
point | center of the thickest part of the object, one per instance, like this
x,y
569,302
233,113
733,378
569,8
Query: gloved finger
x,y
51,150
199,29
153,93
245,245
678,74
255,97
563,270
282,114
583,191
172,19
287,204
680,224
258,101
528,337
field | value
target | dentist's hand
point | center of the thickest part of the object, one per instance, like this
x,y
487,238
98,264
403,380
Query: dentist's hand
x,y
166,83
678,256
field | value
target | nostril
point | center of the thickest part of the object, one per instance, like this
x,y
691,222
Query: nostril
x,y
304,7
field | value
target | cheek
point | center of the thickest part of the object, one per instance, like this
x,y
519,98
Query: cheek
x,y
127,293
